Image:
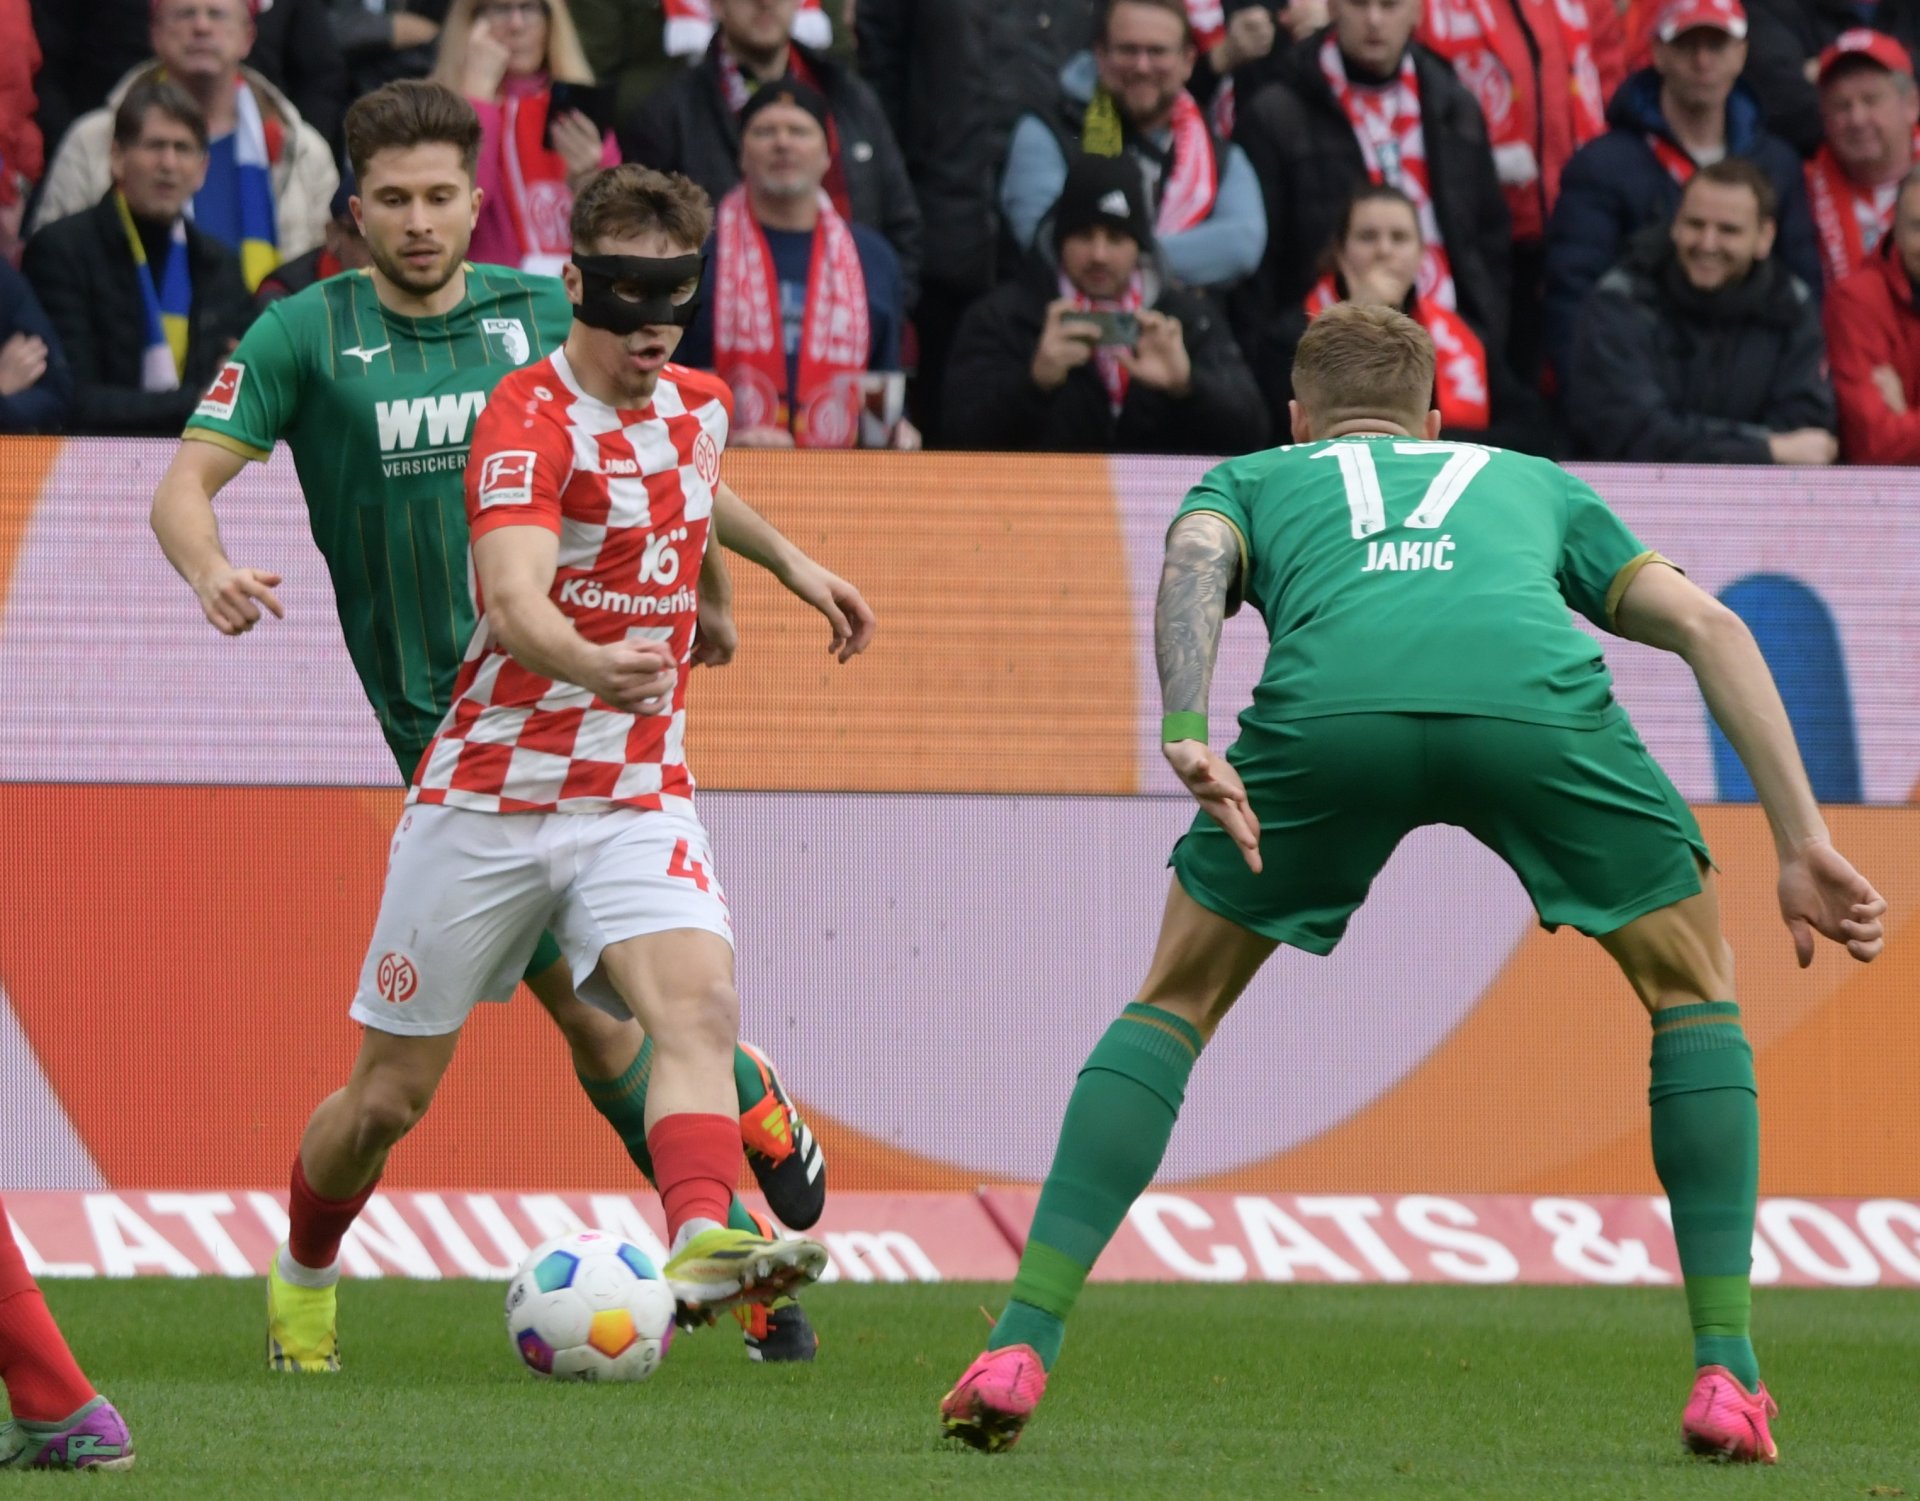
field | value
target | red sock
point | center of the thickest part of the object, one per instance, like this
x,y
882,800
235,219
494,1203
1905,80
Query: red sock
x,y
315,1225
44,1383
696,1162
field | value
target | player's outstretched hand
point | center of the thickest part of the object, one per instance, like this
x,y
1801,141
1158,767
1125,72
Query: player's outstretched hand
x,y
1217,786
1820,892
851,617
228,598
634,676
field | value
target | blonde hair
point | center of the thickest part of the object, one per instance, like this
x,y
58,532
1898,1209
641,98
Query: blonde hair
x,y
566,58
1362,360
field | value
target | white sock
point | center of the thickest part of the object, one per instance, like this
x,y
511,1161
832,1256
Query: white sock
x,y
690,1229
305,1276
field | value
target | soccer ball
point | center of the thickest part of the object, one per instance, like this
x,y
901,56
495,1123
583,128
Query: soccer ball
x,y
589,1307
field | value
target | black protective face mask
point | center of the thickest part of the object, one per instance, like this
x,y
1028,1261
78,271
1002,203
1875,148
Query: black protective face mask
x,y
602,307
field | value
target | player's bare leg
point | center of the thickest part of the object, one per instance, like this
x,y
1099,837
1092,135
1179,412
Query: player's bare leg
x,y
58,1422
340,1161
679,986
1115,1133
1706,1149
351,1131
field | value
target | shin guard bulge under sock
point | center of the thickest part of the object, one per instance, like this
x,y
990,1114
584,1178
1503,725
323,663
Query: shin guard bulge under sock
x,y
1706,1149
1115,1132
622,1102
316,1226
698,1161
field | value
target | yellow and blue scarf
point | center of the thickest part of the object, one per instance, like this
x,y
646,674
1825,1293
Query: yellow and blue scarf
x,y
259,236
168,304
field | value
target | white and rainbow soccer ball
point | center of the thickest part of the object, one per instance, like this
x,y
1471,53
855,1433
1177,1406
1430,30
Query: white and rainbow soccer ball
x,y
589,1307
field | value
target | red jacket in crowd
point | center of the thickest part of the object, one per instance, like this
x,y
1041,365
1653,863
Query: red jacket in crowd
x,y
1872,322
1542,71
20,146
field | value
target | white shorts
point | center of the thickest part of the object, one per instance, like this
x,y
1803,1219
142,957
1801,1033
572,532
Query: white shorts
x,y
468,895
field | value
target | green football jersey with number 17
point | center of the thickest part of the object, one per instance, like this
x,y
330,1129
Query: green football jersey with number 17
x,y
1399,575
378,410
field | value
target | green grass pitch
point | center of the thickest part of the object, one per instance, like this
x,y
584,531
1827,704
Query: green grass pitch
x,y
1177,1392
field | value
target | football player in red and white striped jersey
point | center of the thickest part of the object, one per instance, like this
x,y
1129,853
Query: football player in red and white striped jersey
x,y
555,794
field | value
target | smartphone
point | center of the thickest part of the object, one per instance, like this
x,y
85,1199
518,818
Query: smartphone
x,y
1115,328
594,100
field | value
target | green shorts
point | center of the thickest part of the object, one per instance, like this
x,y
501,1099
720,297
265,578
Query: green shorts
x,y
546,953
1586,819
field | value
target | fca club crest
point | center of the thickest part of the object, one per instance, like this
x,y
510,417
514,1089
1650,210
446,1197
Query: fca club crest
x,y
507,338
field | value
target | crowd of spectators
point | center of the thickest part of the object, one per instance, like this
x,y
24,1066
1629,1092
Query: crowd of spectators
x,y
1656,230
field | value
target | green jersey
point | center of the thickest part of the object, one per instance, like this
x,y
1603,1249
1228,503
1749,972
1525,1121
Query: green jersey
x,y
378,409
1397,575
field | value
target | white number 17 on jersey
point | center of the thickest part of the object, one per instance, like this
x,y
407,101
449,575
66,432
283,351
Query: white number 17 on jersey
x,y
1362,479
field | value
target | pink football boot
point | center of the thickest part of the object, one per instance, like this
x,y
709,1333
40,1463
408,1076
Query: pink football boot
x,y
991,1403
1723,1418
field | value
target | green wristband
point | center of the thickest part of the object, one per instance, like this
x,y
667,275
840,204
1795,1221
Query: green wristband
x,y
1185,726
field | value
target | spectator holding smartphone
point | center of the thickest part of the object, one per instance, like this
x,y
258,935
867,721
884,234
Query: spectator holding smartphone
x,y
1092,351
506,56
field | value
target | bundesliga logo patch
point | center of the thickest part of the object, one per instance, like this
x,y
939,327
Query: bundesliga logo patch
x,y
223,393
506,478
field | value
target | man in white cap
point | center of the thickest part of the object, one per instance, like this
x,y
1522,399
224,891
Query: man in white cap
x,y
1869,109
1666,122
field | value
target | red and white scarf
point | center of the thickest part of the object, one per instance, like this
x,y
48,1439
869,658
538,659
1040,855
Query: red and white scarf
x,y
1207,20
1460,359
1680,167
1192,181
1491,59
1386,123
749,351
1106,357
1850,220
539,202
690,26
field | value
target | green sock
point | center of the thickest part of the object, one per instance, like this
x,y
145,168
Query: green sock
x,y
1706,1149
623,1101
1111,1142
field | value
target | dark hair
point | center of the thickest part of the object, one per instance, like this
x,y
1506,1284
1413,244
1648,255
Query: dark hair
x,y
1738,172
155,93
1375,192
1367,192
628,200
1175,8
410,112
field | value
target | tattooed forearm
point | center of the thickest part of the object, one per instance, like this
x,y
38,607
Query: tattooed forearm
x,y
1202,557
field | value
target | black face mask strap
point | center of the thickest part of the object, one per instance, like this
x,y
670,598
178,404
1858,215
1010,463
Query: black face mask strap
x,y
601,307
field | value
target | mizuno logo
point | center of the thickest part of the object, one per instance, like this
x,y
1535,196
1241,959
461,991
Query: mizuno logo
x,y
365,356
